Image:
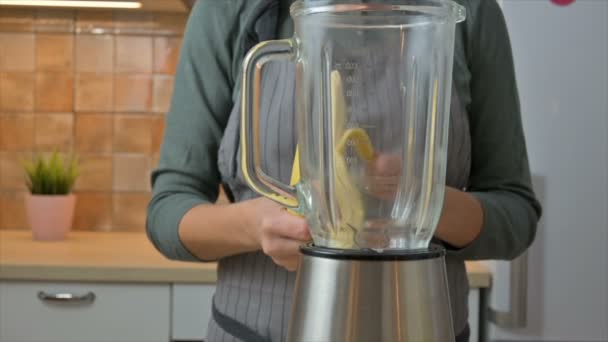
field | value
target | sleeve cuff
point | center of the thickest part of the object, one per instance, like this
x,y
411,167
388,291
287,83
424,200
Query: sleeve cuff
x,y
485,245
163,230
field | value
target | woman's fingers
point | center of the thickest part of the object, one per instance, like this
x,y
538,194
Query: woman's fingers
x,y
383,176
289,254
281,233
385,165
284,252
287,226
280,248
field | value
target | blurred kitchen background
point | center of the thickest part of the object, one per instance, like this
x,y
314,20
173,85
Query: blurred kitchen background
x,y
97,83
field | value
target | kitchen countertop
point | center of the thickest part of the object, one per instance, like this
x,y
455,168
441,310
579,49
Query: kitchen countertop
x,y
117,257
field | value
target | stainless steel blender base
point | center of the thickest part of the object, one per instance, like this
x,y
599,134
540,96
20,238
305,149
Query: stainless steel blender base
x,y
344,295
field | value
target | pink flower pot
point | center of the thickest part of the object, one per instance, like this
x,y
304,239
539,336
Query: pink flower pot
x,y
50,216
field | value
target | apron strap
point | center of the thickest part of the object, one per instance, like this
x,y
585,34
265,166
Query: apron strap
x,y
234,327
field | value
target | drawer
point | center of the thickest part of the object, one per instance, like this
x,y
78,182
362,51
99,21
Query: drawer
x,y
44,312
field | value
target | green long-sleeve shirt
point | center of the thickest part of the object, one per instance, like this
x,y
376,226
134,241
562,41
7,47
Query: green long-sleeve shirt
x,y
207,84
250,288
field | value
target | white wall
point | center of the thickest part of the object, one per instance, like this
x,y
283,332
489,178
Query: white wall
x,y
561,56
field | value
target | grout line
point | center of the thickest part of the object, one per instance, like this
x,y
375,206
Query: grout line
x,y
113,115
74,84
34,83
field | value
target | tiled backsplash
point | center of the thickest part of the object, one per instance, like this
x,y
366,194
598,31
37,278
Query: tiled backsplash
x,y
90,82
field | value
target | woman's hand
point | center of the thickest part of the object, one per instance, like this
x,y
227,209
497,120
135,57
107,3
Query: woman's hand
x,y
383,176
461,218
278,233
212,232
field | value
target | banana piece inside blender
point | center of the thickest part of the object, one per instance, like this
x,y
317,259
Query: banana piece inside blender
x,y
349,203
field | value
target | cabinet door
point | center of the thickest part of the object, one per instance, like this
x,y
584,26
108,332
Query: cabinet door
x,y
474,314
191,311
70,312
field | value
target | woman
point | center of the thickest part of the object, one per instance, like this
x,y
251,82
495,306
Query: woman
x,y
490,210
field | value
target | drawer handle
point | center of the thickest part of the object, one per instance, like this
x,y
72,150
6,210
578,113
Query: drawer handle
x,y
66,297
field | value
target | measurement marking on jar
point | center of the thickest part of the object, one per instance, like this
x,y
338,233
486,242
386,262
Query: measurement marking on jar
x,y
346,66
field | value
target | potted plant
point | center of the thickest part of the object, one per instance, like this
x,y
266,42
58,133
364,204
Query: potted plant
x,y
50,203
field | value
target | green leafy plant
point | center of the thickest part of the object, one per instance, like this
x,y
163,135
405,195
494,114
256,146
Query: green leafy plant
x,y
51,176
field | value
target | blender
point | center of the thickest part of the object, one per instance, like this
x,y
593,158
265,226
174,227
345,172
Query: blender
x,y
373,88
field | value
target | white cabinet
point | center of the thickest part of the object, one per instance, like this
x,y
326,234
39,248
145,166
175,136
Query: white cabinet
x,y
191,311
80,312
43,312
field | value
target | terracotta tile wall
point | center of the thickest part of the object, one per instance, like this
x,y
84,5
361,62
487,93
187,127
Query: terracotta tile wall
x,y
95,83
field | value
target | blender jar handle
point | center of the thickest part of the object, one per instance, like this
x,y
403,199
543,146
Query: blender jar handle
x,y
250,121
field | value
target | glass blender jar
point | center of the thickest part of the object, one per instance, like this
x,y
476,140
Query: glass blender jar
x,y
373,89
